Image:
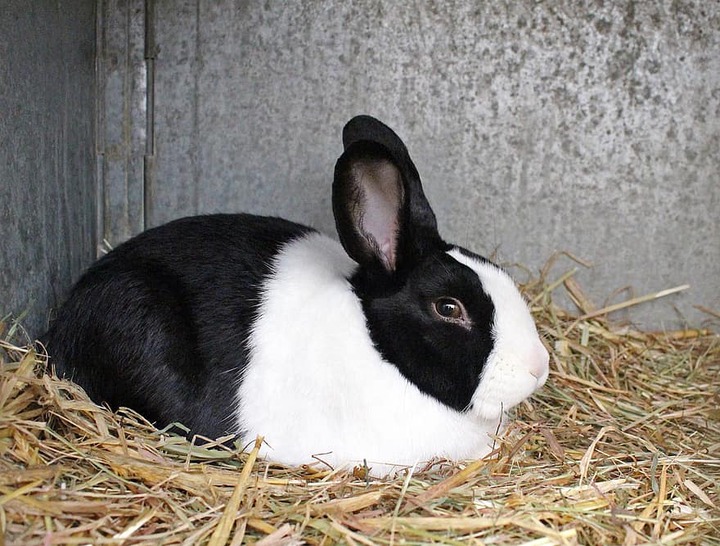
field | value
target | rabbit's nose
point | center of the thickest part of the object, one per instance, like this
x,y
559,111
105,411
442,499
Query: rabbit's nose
x,y
538,361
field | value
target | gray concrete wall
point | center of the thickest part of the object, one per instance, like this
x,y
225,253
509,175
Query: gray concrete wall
x,y
537,126
47,155
589,127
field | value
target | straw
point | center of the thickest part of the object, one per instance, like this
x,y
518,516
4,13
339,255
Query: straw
x,y
622,446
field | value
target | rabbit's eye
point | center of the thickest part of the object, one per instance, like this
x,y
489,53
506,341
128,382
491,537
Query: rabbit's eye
x,y
448,308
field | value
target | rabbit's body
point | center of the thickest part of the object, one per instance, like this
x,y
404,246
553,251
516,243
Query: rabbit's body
x,y
391,346
143,330
345,403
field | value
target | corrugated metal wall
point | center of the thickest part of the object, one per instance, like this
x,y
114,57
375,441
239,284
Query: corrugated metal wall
x,y
122,117
536,126
47,154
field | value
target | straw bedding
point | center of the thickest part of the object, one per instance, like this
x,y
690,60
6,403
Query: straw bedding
x,y
622,446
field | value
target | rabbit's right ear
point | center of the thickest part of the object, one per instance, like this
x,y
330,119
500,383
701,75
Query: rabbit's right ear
x,y
381,213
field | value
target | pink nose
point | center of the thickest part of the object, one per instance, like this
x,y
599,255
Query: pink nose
x,y
538,361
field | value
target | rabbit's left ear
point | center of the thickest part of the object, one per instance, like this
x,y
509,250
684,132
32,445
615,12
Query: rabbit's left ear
x,y
381,213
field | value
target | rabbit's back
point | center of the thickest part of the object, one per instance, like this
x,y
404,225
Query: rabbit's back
x,y
160,324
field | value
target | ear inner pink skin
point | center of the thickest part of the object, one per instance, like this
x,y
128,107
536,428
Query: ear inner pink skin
x,y
382,193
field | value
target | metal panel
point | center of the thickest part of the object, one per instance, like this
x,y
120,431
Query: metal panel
x,y
47,159
123,122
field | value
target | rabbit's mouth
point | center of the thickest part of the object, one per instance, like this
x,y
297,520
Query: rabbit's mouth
x,y
539,363
506,382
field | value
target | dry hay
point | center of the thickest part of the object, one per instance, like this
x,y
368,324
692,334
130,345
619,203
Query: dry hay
x,y
622,446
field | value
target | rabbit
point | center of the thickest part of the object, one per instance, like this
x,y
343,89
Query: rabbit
x,y
391,347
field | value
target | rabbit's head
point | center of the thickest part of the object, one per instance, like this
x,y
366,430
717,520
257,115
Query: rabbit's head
x,y
452,322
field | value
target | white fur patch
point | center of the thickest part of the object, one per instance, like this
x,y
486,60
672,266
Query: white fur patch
x,y
518,364
315,385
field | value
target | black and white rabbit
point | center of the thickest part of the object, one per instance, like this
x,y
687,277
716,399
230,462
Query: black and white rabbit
x,y
395,347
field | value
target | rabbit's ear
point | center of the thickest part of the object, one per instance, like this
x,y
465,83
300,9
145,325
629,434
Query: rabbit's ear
x,y
381,213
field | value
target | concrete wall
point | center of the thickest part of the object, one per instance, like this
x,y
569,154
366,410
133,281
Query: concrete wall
x,y
538,126
47,155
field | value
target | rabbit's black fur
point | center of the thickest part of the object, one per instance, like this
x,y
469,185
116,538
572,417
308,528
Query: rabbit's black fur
x,y
160,323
